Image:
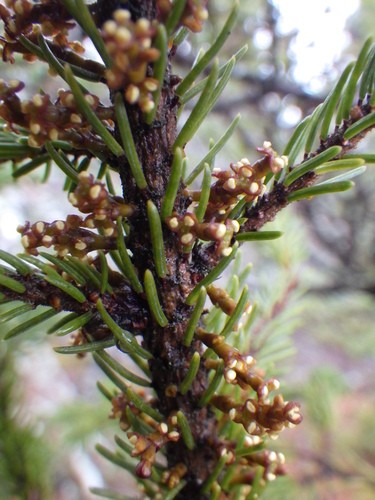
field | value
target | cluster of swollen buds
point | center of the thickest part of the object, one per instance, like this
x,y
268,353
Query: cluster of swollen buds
x,y
271,161
50,121
129,44
193,17
221,298
172,477
121,407
91,197
233,185
271,461
189,229
244,181
24,17
261,417
74,236
146,447
66,237
238,369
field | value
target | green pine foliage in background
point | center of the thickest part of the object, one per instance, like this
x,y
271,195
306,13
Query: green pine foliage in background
x,y
24,465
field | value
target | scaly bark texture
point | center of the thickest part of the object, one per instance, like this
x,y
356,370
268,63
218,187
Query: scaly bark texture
x,y
170,358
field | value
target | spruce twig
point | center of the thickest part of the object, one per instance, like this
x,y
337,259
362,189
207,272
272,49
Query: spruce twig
x,y
203,392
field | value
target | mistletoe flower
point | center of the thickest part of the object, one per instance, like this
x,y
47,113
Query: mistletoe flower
x,y
146,447
27,18
91,197
263,417
74,235
260,417
221,298
238,369
120,406
271,461
271,162
242,182
50,121
172,477
190,229
129,44
231,186
67,237
195,14
193,17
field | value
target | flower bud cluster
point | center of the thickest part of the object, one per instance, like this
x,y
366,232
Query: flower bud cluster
x,y
74,236
260,417
120,408
238,369
264,417
66,237
232,186
24,17
271,462
189,229
10,103
271,162
129,45
242,182
193,17
146,447
172,477
50,121
220,298
91,197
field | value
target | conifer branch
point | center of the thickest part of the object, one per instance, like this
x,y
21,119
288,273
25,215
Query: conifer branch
x,y
212,409
33,289
271,203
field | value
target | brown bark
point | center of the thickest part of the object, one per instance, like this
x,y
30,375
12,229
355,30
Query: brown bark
x,y
170,358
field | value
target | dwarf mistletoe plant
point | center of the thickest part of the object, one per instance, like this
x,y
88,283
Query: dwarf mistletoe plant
x,y
138,272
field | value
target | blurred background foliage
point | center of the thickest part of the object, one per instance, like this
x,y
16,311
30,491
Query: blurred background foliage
x,y
313,290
